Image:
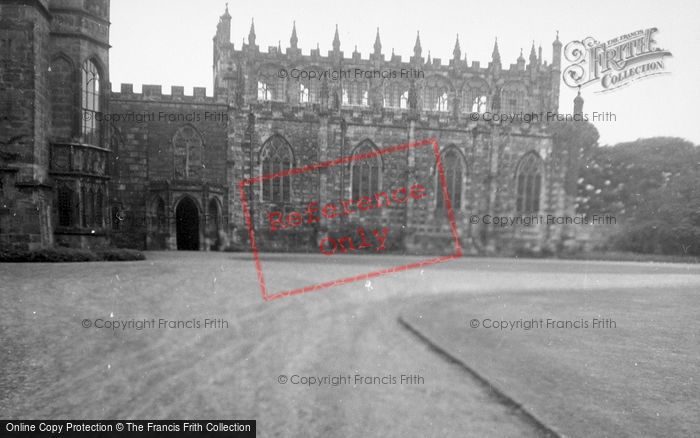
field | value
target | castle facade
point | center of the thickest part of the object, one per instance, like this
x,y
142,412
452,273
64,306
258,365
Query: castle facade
x,y
81,165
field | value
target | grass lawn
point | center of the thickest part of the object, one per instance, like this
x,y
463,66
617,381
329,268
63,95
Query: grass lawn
x,y
585,383
638,379
630,257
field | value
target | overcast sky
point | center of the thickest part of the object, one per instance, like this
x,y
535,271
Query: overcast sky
x,y
169,42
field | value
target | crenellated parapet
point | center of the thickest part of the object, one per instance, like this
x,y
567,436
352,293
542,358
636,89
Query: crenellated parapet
x,y
296,77
154,93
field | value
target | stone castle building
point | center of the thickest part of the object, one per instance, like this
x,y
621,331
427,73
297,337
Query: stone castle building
x,y
81,165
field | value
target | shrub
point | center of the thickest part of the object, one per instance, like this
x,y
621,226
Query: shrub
x,y
302,240
236,247
660,238
533,253
57,255
120,255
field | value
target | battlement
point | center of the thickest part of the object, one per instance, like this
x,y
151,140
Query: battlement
x,y
177,94
313,57
534,73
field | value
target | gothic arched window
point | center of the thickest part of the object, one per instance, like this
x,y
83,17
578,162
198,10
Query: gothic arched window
x,y
309,90
99,206
479,104
264,91
90,102
276,156
364,101
366,172
66,206
441,104
403,100
453,168
187,153
396,95
355,93
529,184
435,94
83,205
475,98
512,100
435,98
303,94
90,213
270,85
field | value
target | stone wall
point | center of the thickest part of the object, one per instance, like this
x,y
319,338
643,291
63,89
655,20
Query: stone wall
x,y
145,158
24,40
490,155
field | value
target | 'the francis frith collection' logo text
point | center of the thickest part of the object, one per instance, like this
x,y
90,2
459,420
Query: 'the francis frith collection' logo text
x,y
614,63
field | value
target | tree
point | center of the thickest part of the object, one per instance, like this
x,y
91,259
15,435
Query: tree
x,y
573,144
653,186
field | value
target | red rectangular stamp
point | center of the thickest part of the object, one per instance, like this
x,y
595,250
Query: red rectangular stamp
x,y
365,239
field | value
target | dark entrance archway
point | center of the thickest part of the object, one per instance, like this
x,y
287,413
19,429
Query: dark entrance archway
x,y
187,224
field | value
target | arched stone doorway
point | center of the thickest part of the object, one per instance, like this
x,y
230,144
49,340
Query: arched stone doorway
x,y
187,224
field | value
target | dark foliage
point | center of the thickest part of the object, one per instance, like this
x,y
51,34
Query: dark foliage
x,y
653,185
56,255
